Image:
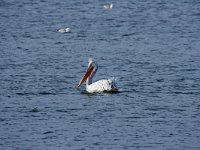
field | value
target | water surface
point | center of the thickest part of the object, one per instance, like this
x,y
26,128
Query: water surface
x,y
151,47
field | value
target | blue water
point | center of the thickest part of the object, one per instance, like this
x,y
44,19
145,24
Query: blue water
x,y
152,47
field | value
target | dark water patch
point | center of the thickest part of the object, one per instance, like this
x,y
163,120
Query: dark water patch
x,y
25,93
101,93
34,110
178,110
46,93
189,70
80,36
59,43
109,19
128,34
159,122
2,119
63,110
35,93
132,118
101,39
86,118
196,14
49,137
31,116
157,109
4,4
74,109
185,93
48,132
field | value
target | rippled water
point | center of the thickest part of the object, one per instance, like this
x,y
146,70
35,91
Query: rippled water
x,y
152,47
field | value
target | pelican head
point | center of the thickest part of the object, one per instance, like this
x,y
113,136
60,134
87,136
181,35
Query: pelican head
x,y
91,62
92,65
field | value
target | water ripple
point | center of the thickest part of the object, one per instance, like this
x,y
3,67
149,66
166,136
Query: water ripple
x,y
151,47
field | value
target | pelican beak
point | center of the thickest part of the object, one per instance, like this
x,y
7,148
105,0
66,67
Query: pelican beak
x,y
87,74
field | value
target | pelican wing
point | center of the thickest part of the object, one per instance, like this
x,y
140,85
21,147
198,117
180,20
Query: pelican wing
x,y
102,86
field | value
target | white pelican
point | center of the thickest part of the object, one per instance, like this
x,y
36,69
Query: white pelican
x,y
108,85
63,30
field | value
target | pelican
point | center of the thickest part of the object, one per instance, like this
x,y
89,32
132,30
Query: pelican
x,y
104,85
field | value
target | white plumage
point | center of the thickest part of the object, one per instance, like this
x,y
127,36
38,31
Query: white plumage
x,y
108,6
101,86
105,85
64,30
